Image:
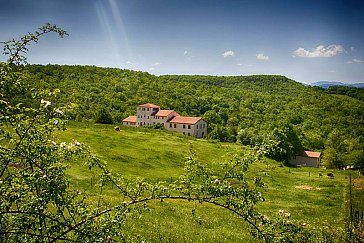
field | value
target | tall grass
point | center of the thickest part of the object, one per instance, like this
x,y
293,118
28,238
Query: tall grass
x,y
308,193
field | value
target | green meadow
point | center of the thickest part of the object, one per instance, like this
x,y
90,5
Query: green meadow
x,y
307,193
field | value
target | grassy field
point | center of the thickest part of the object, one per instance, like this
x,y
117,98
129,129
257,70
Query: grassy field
x,y
308,193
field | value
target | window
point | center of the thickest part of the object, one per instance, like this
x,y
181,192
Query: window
x,y
184,133
143,109
189,134
175,125
144,123
144,115
147,109
148,117
189,126
184,126
153,122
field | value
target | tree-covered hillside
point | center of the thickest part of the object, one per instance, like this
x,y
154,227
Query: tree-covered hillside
x,y
260,109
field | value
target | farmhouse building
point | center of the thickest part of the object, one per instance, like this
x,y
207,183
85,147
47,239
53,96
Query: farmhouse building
x,y
149,114
307,158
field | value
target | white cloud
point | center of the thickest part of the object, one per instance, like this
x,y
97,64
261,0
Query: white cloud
x,y
332,71
245,65
187,53
228,54
352,48
152,69
354,61
156,64
262,57
319,51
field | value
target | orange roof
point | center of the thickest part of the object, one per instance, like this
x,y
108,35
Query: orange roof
x,y
148,105
165,112
185,119
130,119
311,154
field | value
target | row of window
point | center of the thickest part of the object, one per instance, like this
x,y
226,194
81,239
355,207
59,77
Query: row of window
x,y
147,109
157,117
201,126
141,116
143,123
175,126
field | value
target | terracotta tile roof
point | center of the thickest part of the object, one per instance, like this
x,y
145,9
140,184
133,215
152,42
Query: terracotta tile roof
x,y
148,105
311,154
185,120
130,119
165,113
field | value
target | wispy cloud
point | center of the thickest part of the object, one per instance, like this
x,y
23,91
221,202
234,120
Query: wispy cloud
x,y
319,51
130,63
262,57
245,65
228,54
154,65
352,48
186,53
354,61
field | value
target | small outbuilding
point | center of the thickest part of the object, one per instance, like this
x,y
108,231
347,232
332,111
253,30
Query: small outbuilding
x,y
130,121
307,158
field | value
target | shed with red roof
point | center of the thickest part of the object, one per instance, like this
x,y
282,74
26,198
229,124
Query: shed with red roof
x,y
307,158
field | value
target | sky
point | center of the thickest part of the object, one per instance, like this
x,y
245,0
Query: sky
x,y
308,41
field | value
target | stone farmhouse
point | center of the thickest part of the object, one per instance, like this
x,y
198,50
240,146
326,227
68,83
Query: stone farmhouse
x,y
307,158
149,114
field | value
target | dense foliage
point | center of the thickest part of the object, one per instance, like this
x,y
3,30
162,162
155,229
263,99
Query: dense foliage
x,y
357,93
260,109
38,204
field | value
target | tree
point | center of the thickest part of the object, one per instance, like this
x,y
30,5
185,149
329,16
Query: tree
x,y
37,203
284,143
104,116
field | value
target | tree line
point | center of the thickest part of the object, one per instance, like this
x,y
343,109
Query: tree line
x,y
252,110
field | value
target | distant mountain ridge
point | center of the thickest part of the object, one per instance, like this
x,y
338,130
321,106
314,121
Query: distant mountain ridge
x,y
327,84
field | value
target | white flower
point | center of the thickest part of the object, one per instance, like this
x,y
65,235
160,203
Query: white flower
x,y
62,144
77,143
55,122
45,103
54,143
287,215
59,111
281,211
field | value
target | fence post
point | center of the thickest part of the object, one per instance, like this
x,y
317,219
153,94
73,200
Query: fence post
x,y
350,203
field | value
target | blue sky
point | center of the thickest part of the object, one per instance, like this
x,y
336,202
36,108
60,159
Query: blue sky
x,y
304,40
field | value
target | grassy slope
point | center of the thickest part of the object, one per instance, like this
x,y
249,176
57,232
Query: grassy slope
x,y
160,155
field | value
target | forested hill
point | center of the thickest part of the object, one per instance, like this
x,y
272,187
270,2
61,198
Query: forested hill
x,y
248,109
